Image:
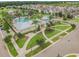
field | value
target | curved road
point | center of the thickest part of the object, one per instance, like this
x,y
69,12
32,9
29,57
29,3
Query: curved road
x,y
3,50
68,44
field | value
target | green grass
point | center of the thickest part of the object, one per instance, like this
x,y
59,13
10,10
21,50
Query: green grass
x,y
57,38
33,42
10,46
76,19
12,49
63,34
51,33
21,42
37,50
72,28
72,55
54,32
62,27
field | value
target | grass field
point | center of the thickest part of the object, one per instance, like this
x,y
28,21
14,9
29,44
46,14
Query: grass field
x,y
59,26
20,42
10,46
62,27
12,49
58,37
37,50
76,19
33,41
51,33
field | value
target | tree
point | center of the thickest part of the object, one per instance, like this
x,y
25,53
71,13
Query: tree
x,y
51,23
73,26
56,14
38,28
7,39
69,16
64,17
40,42
48,24
6,27
50,17
20,35
60,14
7,23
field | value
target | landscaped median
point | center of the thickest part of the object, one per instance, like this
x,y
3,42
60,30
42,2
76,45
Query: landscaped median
x,y
10,46
20,40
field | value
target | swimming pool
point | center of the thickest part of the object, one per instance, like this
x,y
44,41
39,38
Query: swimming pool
x,y
22,23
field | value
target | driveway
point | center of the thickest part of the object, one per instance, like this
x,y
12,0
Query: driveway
x,y
3,50
68,44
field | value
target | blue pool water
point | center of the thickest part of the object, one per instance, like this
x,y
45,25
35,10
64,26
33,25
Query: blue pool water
x,y
22,23
22,19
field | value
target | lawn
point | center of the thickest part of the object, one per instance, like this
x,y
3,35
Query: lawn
x,y
21,42
54,32
58,37
76,19
10,46
51,33
33,41
12,49
71,29
62,27
37,50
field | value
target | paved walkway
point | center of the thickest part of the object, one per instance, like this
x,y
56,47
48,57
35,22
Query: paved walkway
x,y
68,44
15,45
47,37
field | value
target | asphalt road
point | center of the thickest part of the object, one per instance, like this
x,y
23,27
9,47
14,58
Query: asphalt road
x,y
68,44
3,50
